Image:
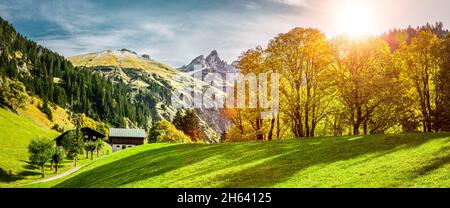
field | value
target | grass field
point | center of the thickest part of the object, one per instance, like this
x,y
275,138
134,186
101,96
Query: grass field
x,y
16,132
410,160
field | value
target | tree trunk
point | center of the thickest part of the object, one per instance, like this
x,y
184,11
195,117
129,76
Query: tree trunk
x,y
278,127
365,127
358,121
272,125
259,135
306,122
356,129
75,161
335,126
312,132
56,167
297,127
424,124
92,155
43,171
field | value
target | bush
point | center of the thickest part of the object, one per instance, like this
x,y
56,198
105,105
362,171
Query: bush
x,y
164,131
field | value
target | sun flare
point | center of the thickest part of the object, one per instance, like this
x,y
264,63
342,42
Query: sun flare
x,y
355,19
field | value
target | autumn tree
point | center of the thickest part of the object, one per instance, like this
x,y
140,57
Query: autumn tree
x,y
189,123
443,88
302,58
251,63
366,80
164,131
421,63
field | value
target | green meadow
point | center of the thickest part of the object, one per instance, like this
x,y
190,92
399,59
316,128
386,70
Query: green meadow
x,y
409,160
16,132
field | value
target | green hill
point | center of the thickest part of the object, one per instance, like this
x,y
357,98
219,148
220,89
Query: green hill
x,y
16,133
411,160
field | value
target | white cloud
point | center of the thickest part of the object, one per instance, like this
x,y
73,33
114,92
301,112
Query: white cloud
x,y
162,29
72,16
297,3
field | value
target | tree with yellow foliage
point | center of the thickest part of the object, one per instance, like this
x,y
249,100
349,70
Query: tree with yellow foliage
x,y
420,63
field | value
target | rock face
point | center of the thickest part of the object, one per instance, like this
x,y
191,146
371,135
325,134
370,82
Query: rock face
x,y
211,64
154,82
200,67
146,56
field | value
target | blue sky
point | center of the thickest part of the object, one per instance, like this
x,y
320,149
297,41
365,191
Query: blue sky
x,y
175,32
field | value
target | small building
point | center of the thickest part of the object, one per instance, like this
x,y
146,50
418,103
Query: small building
x,y
88,135
125,138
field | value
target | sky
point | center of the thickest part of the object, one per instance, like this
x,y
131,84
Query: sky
x,y
176,31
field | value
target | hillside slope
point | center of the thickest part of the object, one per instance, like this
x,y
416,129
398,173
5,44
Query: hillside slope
x,y
412,160
17,130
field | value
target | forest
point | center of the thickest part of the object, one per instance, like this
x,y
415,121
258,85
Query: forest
x,y
397,82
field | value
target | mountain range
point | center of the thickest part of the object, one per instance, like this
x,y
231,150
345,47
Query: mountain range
x,y
120,88
211,64
223,74
147,78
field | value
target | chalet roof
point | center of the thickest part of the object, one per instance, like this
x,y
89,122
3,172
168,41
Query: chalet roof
x,y
84,130
130,133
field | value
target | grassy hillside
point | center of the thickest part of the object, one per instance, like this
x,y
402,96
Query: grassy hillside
x,y
14,138
16,132
412,160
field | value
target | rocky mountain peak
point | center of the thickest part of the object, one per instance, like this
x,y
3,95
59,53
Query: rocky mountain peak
x,y
212,63
213,55
199,60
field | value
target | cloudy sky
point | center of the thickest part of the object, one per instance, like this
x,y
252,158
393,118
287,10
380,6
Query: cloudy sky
x,y
175,32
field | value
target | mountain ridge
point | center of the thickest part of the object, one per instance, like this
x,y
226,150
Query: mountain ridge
x,y
209,64
154,82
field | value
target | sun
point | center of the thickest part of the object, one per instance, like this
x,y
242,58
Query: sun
x,y
355,19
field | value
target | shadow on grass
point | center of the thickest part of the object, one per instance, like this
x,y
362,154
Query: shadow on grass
x,y
29,170
281,168
140,166
436,163
8,176
276,161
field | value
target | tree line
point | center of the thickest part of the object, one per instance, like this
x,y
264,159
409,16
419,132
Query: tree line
x,y
393,83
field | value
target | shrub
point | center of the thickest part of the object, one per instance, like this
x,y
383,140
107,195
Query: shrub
x,y
164,131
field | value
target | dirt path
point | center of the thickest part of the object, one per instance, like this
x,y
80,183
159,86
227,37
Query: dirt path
x,y
58,176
